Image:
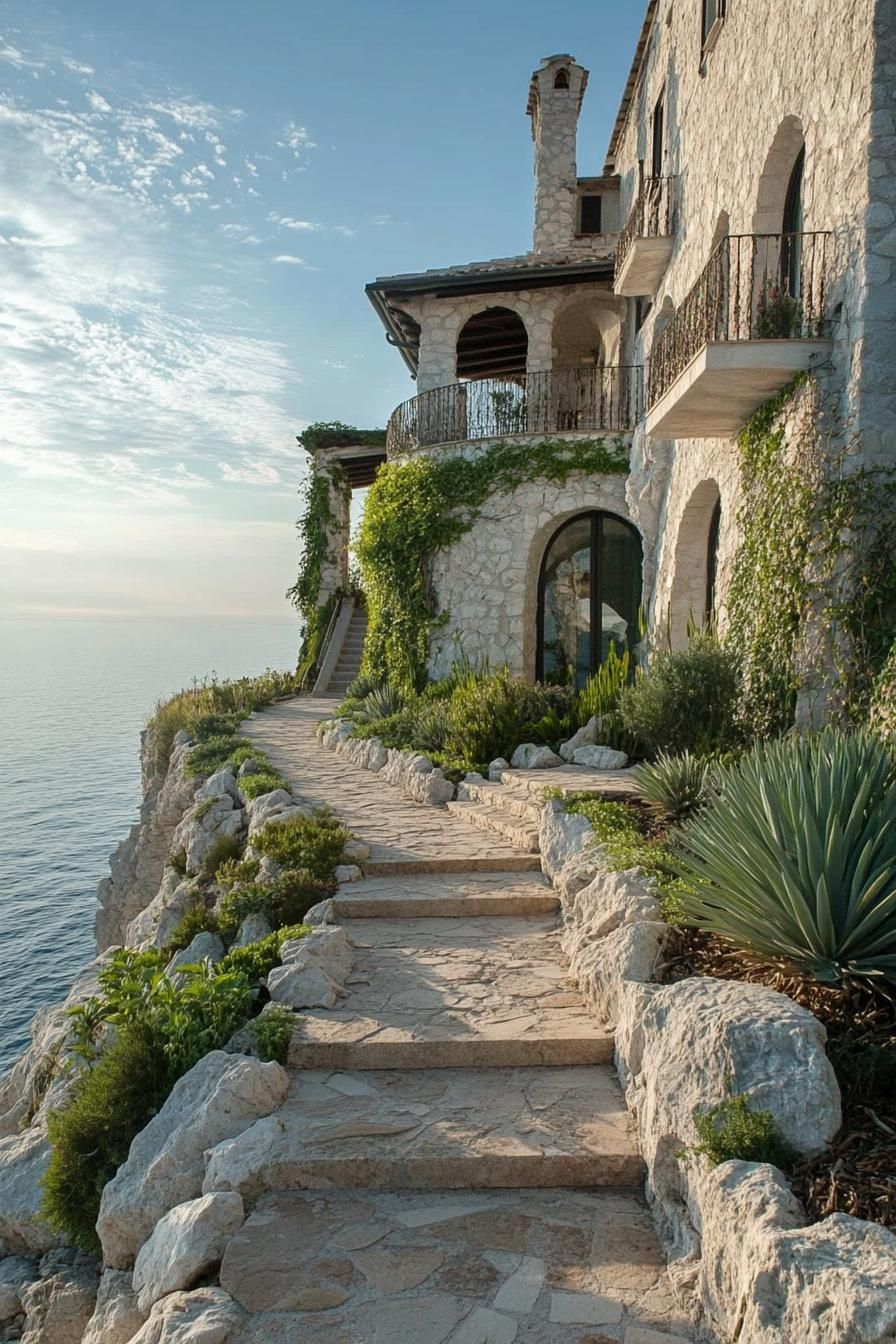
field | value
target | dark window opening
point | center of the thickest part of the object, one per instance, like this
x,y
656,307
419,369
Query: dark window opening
x,y
657,142
712,561
590,214
642,308
791,243
713,10
492,344
589,596
561,79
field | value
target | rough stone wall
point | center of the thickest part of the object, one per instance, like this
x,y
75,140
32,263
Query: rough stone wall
x,y
555,115
334,565
488,581
825,67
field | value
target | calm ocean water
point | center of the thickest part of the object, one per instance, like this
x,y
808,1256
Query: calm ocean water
x,y
73,698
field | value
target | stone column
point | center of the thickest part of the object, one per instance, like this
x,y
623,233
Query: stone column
x,y
334,565
555,99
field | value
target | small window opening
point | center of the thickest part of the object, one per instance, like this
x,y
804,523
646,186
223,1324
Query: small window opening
x,y
642,308
561,79
590,214
713,13
657,140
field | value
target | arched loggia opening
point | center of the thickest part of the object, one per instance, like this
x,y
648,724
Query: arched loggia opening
x,y
492,344
589,595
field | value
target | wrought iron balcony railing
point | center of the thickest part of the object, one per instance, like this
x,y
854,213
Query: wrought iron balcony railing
x,y
652,216
755,287
535,403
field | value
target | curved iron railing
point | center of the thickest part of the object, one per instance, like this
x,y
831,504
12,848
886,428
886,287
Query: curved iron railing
x,y
652,215
755,287
534,403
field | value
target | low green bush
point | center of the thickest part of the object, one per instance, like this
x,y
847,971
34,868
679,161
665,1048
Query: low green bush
x,y
674,787
258,959
273,1031
313,844
202,809
209,756
198,919
380,703
795,859
490,716
236,872
732,1132
178,861
684,701
284,901
222,704
254,785
618,829
225,848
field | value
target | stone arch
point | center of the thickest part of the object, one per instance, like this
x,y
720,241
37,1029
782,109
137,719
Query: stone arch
x,y
492,343
585,331
561,79
695,562
788,144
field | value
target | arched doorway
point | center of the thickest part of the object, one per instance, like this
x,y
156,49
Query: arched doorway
x,y
589,595
492,344
696,562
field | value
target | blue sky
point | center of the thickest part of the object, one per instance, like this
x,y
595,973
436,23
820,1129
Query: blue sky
x,y
192,197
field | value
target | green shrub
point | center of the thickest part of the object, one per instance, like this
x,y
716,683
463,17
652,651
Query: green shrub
x,y
684,701
284,901
235,872
732,1132
675,786
314,843
202,809
225,848
490,716
599,697
254,785
209,756
380,703
795,860
430,725
243,754
198,919
618,829
109,1105
273,1032
258,959
177,859
212,726
192,709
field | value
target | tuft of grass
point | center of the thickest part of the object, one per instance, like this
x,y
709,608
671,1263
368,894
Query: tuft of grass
x,y
177,859
203,808
253,786
313,844
674,787
236,872
256,960
225,848
222,704
732,1132
617,828
284,901
209,756
273,1031
197,919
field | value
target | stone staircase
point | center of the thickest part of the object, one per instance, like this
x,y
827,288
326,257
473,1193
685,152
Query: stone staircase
x,y
455,1161
348,664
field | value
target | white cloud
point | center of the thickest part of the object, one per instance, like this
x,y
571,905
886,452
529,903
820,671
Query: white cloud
x,y
98,102
303,225
286,260
252,471
77,67
13,56
297,139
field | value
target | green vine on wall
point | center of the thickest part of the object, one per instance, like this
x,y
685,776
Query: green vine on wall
x,y
314,529
416,508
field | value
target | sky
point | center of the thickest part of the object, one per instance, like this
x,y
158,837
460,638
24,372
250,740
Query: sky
x,y
192,198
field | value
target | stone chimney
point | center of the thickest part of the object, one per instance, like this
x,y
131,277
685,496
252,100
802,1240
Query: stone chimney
x,y
555,100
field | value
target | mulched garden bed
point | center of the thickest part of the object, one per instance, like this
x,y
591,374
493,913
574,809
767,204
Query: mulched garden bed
x,y
857,1174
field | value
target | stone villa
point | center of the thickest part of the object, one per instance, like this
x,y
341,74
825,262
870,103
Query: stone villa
x,y
741,230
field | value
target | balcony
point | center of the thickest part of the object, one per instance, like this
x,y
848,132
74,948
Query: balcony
x,y
645,244
754,319
573,400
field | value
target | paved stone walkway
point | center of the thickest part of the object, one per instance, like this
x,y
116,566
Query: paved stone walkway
x,y
454,1163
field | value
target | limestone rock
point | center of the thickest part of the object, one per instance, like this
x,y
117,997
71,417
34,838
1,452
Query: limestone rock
x,y
347,872
319,914
497,768
253,928
329,947
185,1244
249,767
204,947
241,1163
260,810
221,782
600,758
59,1305
154,926
609,900
220,1096
24,1159
205,1316
601,966
116,1318
15,1274
302,984
561,835
531,756
585,737
279,817
204,825
355,851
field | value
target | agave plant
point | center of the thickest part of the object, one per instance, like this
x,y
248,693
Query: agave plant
x,y
430,725
381,703
795,858
674,787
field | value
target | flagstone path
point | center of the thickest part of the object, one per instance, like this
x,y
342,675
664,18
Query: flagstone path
x,y
455,1163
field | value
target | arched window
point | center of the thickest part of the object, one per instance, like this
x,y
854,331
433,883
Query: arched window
x,y
589,595
791,243
492,344
712,562
561,79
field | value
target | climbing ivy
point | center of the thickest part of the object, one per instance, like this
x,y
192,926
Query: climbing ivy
x,y
335,434
418,507
313,528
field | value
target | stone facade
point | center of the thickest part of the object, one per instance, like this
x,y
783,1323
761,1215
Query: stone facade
x,y
725,121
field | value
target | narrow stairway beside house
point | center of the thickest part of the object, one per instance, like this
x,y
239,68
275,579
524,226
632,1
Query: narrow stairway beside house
x,y
455,1161
343,664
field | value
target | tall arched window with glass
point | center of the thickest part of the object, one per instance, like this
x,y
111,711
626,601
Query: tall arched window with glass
x,y
791,243
589,596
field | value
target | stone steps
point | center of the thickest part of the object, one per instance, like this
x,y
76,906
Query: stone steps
x,y
437,993
514,802
448,896
499,863
609,784
450,1129
485,817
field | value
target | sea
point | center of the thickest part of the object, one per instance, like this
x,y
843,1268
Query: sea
x,y
74,695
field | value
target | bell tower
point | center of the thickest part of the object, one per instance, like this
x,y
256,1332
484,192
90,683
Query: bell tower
x,y
555,100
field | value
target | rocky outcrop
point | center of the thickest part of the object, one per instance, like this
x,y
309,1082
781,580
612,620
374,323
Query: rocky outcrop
x,y
314,969
205,1316
60,1303
139,862
220,1097
116,1318
185,1245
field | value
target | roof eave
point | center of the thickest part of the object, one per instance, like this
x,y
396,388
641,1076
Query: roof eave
x,y
630,84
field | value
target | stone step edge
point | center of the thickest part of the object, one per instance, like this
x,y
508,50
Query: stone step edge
x,y
348,906
487,818
511,801
460,1053
535,1171
507,863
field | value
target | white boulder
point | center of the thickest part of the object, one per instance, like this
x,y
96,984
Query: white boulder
x,y
302,984
204,1316
154,926
319,914
531,756
603,966
220,1096
60,1304
561,836
355,851
496,769
204,947
347,872
203,826
260,810
244,1163
185,1244
328,946
585,737
24,1159
221,782
253,928
116,1318
600,758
